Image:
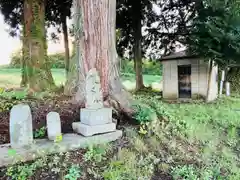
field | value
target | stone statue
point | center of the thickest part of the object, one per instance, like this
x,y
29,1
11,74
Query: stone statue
x,y
94,97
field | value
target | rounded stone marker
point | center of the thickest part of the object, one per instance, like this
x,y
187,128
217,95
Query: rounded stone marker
x,y
53,126
21,133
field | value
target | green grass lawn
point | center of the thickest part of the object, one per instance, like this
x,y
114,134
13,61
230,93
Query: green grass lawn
x,y
210,132
12,78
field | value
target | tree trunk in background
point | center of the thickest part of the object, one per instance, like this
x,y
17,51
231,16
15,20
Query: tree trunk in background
x,y
38,68
66,46
96,39
70,87
209,79
24,81
138,45
233,76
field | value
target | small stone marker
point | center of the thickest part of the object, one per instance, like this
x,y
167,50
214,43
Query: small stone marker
x,y
95,118
227,89
53,126
21,133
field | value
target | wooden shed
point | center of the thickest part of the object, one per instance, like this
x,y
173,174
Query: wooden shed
x,y
187,76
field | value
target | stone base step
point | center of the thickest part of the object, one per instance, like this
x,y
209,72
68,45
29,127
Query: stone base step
x,y
87,130
43,147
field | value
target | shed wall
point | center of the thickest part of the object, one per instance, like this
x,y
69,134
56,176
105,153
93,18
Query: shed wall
x,y
199,77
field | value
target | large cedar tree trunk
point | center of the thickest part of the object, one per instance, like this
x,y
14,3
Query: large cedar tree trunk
x,y
35,45
137,49
96,39
66,46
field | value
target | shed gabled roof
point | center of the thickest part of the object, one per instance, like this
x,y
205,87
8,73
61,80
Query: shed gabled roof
x,y
178,55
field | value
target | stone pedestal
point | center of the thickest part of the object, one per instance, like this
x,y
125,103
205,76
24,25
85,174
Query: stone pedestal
x,y
87,130
94,119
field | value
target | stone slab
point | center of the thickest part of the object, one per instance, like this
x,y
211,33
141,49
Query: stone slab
x,y
94,117
21,131
87,130
53,125
43,147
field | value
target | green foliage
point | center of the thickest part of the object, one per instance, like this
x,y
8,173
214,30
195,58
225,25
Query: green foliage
x,y
189,172
216,32
12,152
184,172
24,171
212,129
6,105
18,95
149,67
58,164
56,60
142,114
95,153
74,172
40,133
130,166
16,59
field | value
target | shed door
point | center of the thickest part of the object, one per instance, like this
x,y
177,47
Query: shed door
x,y
184,81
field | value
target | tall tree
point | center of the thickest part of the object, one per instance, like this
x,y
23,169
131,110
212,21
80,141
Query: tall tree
x,y
35,46
172,26
96,42
216,36
28,17
57,14
131,16
165,25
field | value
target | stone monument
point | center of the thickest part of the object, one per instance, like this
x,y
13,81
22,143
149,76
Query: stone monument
x,y
53,126
94,118
21,132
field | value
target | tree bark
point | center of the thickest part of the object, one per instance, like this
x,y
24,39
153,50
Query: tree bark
x,y
66,46
96,48
37,64
138,45
70,87
24,81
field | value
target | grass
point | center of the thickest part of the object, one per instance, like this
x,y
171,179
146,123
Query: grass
x,y
211,131
12,77
192,141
